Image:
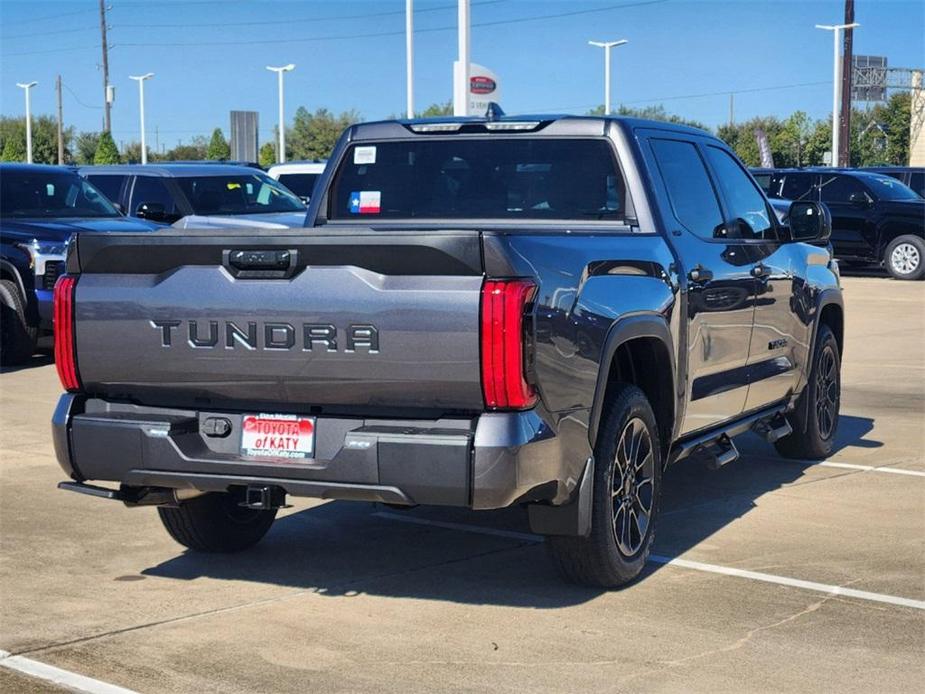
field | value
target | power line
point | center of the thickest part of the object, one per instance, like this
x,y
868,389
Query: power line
x,y
314,19
49,16
51,50
77,98
336,37
45,33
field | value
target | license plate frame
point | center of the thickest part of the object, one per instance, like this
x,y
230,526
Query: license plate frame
x,y
278,437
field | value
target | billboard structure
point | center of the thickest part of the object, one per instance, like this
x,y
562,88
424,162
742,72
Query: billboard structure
x,y
869,78
244,144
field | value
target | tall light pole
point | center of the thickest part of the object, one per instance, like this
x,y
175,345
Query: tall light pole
x,y
26,87
409,57
607,45
461,73
836,30
282,118
141,110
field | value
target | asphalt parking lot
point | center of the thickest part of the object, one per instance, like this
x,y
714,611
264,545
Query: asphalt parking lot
x,y
349,597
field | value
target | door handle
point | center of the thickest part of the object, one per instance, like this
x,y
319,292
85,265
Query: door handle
x,y
761,271
698,273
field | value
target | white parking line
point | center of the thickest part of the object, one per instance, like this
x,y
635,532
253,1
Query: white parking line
x,y
863,468
65,678
826,588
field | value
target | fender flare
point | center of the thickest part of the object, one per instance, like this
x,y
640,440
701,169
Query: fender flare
x,y
623,330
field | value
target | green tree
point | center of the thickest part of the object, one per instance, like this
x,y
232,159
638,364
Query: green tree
x,y
436,110
85,145
131,153
267,155
313,135
897,115
44,138
218,146
14,146
195,151
106,151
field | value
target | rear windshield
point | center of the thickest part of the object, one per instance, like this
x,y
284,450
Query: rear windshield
x,y
889,188
237,194
483,178
302,184
51,194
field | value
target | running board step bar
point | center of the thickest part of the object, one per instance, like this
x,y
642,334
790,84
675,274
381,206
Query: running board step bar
x,y
721,453
773,430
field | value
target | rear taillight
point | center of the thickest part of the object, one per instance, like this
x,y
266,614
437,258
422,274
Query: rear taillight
x,y
504,382
65,356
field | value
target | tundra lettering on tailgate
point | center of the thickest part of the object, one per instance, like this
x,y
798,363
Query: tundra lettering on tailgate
x,y
271,335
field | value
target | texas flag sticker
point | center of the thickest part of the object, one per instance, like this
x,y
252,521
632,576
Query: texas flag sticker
x,y
365,202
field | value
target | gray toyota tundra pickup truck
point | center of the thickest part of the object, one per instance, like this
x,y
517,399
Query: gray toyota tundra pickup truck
x,y
541,311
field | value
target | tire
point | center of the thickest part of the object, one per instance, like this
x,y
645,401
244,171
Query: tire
x,y
214,523
17,337
815,418
905,258
609,557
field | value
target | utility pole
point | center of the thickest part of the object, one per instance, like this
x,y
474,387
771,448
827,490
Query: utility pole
x,y
836,30
107,123
844,139
607,45
27,87
732,109
60,122
409,57
461,73
157,140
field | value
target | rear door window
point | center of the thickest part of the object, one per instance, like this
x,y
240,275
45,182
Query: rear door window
x,y
302,184
109,184
689,189
480,178
797,186
151,189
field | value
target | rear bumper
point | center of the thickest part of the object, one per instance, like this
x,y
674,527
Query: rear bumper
x,y
489,461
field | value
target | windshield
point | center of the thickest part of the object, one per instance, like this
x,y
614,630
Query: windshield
x,y
485,178
888,188
237,194
51,194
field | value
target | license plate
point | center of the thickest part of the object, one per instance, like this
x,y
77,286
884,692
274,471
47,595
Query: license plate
x,y
278,436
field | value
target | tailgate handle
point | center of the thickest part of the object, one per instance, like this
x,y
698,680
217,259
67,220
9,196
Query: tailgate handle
x,y
261,263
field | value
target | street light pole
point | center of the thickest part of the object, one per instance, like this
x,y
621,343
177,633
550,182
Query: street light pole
x,y
409,57
607,45
141,110
27,87
836,30
282,118
461,73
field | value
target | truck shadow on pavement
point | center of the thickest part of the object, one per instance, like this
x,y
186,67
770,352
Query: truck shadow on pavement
x,y
36,360
348,548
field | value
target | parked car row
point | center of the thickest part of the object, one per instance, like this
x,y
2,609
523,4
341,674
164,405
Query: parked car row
x,y
876,218
42,206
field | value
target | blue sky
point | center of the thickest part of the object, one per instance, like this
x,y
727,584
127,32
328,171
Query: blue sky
x,y
210,57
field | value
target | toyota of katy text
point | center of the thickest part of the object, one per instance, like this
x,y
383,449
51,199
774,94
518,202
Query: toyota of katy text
x,y
482,312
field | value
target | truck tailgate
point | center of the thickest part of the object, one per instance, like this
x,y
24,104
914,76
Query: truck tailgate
x,y
351,318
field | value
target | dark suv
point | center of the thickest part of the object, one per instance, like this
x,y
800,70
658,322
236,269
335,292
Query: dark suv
x,y
40,207
876,219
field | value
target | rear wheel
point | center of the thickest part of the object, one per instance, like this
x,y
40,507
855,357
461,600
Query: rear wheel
x,y
905,258
627,485
815,418
216,523
17,337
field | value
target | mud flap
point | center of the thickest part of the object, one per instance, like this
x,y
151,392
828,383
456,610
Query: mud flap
x,y
573,518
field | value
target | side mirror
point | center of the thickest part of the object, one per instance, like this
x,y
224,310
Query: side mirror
x,y
859,199
810,222
153,211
